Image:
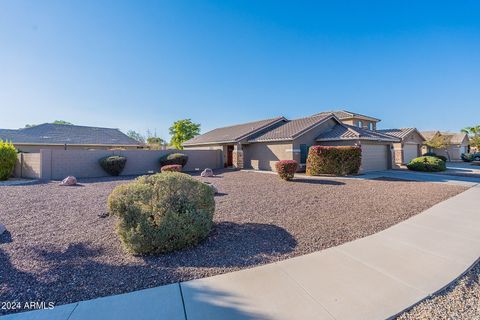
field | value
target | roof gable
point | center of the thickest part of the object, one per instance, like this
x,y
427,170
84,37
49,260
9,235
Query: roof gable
x,y
347,132
232,134
293,129
401,133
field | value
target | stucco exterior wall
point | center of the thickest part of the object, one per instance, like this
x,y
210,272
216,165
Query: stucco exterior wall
x,y
52,164
221,147
365,123
309,138
262,156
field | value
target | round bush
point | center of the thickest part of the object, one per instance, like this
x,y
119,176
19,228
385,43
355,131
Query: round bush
x,y
433,154
171,168
8,158
162,212
113,165
286,169
427,164
174,158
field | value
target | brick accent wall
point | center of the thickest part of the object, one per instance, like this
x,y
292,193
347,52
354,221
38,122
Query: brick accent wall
x,y
237,158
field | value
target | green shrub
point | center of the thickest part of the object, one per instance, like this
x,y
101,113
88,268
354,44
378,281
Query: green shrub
x,y
171,168
467,157
113,165
433,154
427,164
333,160
162,212
8,158
174,158
286,169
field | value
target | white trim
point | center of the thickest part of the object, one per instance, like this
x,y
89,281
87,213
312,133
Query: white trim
x,y
293,150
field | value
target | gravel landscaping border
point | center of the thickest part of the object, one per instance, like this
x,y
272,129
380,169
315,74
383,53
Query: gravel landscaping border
x,y
459,300
60,247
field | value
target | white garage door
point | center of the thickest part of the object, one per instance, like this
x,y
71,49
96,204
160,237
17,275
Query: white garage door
x,y
374,157
410,151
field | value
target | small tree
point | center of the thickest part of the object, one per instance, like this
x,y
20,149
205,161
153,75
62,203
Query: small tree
x,y
440,142
183,130
136,136
473,136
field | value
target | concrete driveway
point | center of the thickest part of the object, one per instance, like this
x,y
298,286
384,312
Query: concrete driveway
x,y
463,168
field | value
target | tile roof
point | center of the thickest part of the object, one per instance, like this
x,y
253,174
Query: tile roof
x,y
291,129
347,132
344,114
429,134
49,133
232,133
398,133
455,138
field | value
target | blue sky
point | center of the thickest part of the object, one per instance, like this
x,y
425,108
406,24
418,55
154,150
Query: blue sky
x,y
144,64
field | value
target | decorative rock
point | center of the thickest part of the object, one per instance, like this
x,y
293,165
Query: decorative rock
x,y
215,189
2,229
69,181
207,173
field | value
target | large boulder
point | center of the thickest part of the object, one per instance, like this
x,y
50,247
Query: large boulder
x,y
207,173
69,181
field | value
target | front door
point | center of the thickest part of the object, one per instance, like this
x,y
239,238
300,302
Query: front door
x,y
229,156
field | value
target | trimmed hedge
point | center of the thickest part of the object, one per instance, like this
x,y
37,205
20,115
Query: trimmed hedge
x,y
174,158
171,168
433,154
113,165
286,169
162,212
339,161
8,158
427,164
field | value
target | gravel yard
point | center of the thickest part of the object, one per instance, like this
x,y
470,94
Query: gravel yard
x,y
61,248
460,300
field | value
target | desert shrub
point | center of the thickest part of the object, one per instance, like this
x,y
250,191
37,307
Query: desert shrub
x,y
333,160
8,158
162,212
174,158
286,169
433,154
427,164
467,157
113,165
171,168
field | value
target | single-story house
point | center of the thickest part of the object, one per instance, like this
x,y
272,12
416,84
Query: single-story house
x,y
458,144
61,136
410,145
260,144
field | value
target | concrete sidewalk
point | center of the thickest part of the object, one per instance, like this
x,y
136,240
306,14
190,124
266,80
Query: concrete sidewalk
x,y
371,278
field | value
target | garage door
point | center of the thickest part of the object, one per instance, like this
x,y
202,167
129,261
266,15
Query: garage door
x,y
410,151
374,157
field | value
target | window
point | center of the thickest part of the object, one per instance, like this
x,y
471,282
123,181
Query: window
x,y
303,153
370,126
359,123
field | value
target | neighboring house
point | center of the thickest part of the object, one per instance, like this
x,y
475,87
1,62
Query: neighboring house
x,y
410,145
259,145
60,136
458,144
